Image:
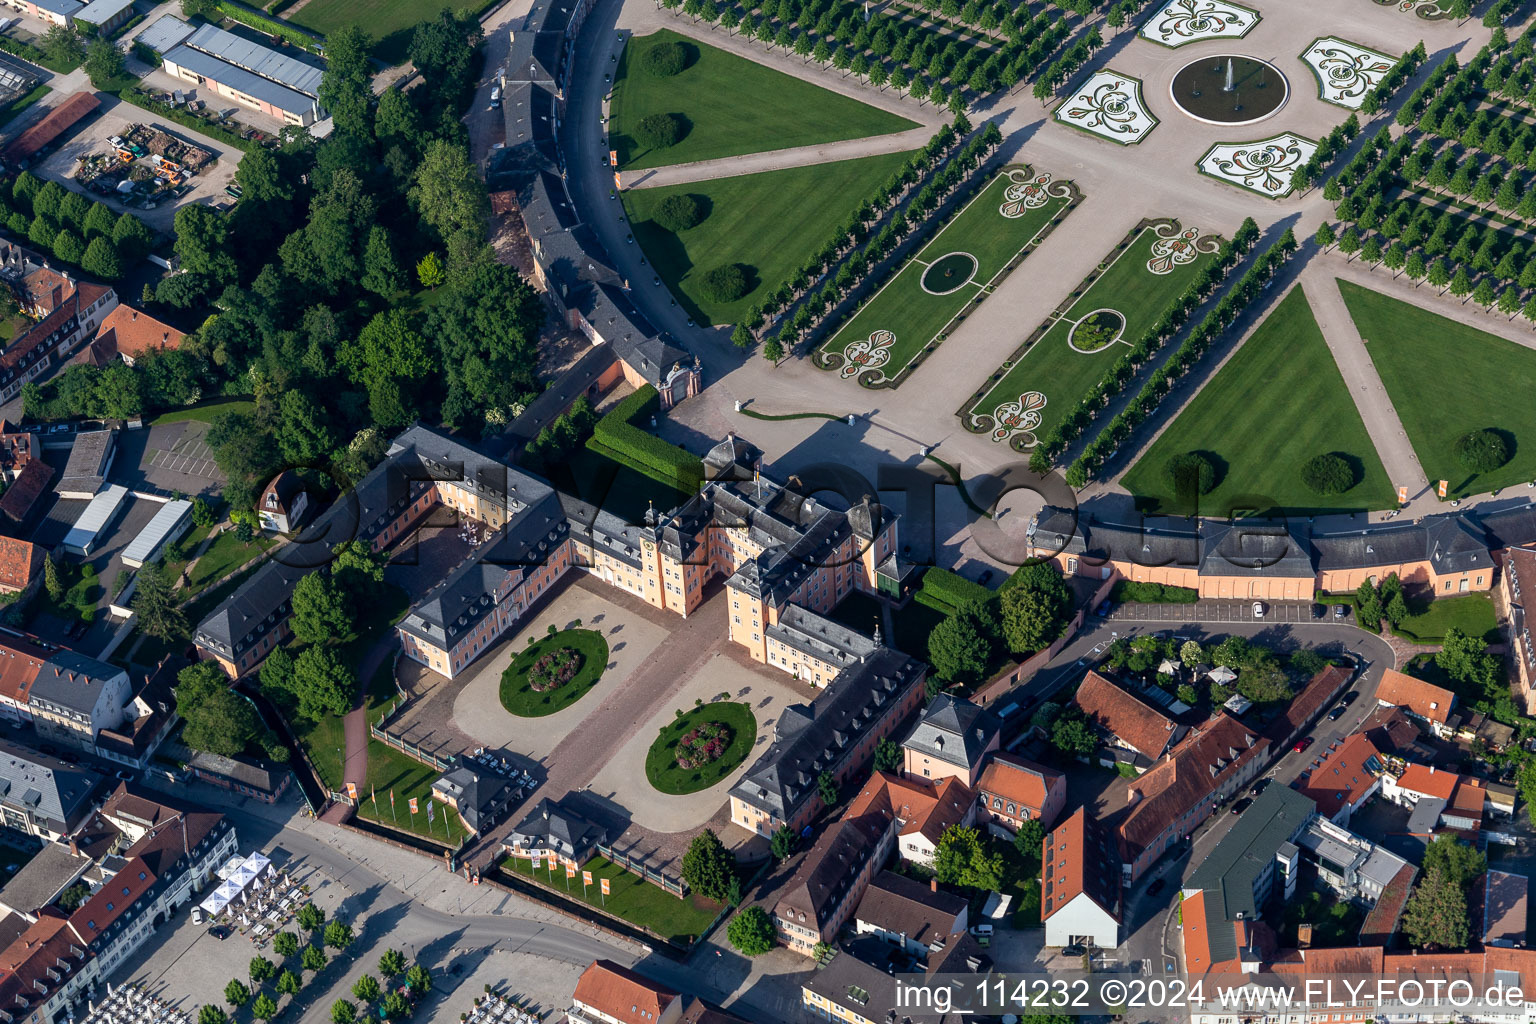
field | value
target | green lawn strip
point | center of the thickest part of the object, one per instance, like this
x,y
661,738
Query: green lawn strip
x,y
1446,379
734,105
915,315
1279,401
517,693
206,412
1473,614
390,770
770,221
1053,368
661,766
223,555
389,22
630,897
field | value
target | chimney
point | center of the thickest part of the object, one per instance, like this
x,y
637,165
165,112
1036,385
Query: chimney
x,y
74,847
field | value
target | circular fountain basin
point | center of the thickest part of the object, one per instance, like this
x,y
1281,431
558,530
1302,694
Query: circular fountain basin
x,y
1229,89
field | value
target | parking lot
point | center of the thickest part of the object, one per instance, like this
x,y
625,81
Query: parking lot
x,y
1227,611
170,457
115,120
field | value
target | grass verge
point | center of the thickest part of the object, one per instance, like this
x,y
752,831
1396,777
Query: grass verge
x,y
517,693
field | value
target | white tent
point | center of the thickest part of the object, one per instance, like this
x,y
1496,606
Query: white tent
x,y
257,863
1222,675
1168,667
215,903
243,876
229,867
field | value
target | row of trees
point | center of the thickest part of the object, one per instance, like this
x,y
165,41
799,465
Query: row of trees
x,y
925,61
286,976
1153,339
74,229
843,249
817,314
1225,313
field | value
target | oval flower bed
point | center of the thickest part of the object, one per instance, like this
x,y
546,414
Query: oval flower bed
x,y
701,747
554,673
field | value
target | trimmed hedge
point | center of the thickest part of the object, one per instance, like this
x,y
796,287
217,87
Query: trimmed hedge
x,y
272,26
35,55
948,592
1132,592
618,438
126,26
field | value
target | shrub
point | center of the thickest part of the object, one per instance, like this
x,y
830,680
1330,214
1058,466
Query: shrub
x,y
1135,592
1482,451
703,745
948,592
1328,474
554,669
725,283
1191,473
665,59
658,131
680,212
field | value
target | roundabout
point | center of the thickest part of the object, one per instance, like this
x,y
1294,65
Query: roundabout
x,y
1229,89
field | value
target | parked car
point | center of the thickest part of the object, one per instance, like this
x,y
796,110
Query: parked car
x,y
1157,887
1340,610
1349,698
1302,744
985,577
1258,609
1337,713
1242,805
1259,787
1073,951
1318,611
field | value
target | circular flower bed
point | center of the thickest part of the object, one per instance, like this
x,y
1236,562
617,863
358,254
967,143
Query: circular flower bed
x,y
1096,330
703,745
554,672
554,669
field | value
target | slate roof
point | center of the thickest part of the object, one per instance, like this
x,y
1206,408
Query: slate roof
x,y
553,826
42,878
820,637
1510,527
546,208
72,681
529,110
478,794
831,869
809,739
44,786
954,730
1255,548
1453,543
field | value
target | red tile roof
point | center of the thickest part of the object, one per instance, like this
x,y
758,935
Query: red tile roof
x,y
1469,799
20,661
139,333
1077,858
1420,698
1136,723
19,562
621,994
1428,782
59,120
1019,781
37,964
1346,774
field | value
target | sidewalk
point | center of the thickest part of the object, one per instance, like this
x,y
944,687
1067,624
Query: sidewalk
x,y
779,159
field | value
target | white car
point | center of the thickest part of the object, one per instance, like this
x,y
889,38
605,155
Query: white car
x,y
1258,609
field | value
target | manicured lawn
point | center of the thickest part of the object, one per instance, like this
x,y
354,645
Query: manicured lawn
x,y
907,307
389,770
1473,614
1060,374
630,897
206,412
733,106
389,22
225,554
517,693
1278,402
770,222
661,766
1446,379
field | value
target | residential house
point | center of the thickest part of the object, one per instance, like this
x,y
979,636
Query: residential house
x,y
1343,777
826,888
554,828
73,698
1079,884
951,739
284,503
924,811
607,993
1352,866
1138,732
49,342
1169,800
42,971
130,334
855,987
1426,702
40,881
1013,790
21,566
41,795
911,916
